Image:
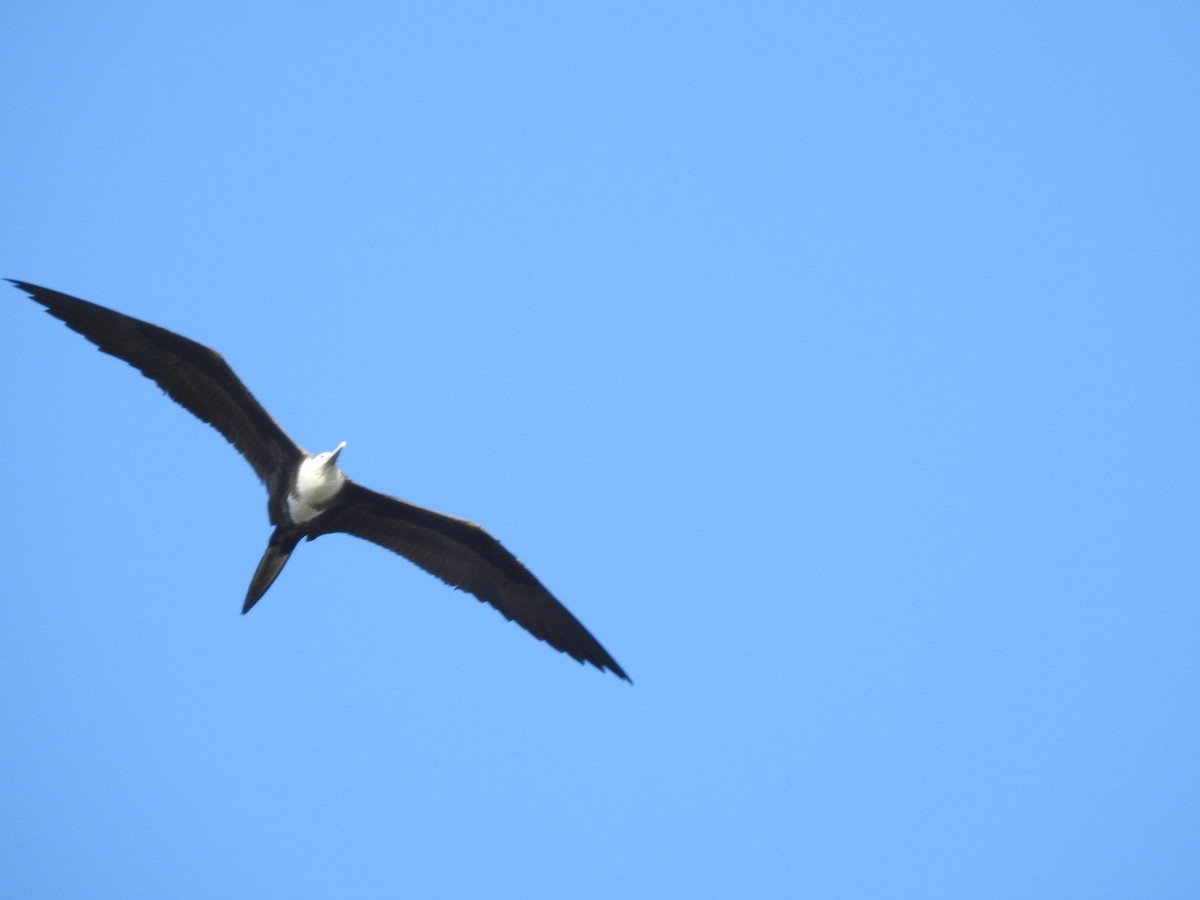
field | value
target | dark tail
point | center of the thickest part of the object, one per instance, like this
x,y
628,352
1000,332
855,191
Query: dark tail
x,y
278,550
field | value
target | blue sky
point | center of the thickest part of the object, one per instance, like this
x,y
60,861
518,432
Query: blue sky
x,y
835,364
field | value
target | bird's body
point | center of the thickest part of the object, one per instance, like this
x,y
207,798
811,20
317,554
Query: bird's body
x,y
308,496
317,481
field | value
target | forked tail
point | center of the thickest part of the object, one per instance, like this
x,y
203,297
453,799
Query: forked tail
x,y
278,550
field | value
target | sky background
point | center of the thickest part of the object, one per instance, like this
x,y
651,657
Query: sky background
x,y
835,364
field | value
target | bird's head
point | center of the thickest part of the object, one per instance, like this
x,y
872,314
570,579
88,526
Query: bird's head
x,y
329,457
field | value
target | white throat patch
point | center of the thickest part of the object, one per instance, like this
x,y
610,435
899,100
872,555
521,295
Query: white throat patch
x,y
317,482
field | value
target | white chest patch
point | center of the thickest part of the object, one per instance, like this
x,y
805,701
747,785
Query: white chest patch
x,y
316,484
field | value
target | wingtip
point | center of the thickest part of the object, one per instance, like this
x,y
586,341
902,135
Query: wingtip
x,y
609,665
33,290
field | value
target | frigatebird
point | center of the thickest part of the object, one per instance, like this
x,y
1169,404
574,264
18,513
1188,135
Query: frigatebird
x,y
308,496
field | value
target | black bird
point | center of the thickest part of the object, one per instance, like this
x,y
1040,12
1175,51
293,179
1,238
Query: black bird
x,y
308,496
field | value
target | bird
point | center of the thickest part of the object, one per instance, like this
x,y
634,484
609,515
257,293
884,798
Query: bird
x,y
309,496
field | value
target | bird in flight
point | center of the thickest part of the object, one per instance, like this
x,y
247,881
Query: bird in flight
x,y
308,496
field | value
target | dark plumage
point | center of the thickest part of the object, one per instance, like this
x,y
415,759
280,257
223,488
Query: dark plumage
x,y
308,496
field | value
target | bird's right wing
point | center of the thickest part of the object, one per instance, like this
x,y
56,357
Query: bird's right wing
x,y
196,377
465,556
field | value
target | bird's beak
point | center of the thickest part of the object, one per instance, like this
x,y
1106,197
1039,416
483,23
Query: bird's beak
x,y
336,450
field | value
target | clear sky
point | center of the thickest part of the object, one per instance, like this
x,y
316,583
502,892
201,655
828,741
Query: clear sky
x,y
835,364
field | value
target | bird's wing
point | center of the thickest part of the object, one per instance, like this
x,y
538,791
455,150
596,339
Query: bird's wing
x,y
194,376
462,554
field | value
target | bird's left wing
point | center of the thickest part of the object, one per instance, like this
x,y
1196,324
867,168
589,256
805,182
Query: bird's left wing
x,y
194,376
462,554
